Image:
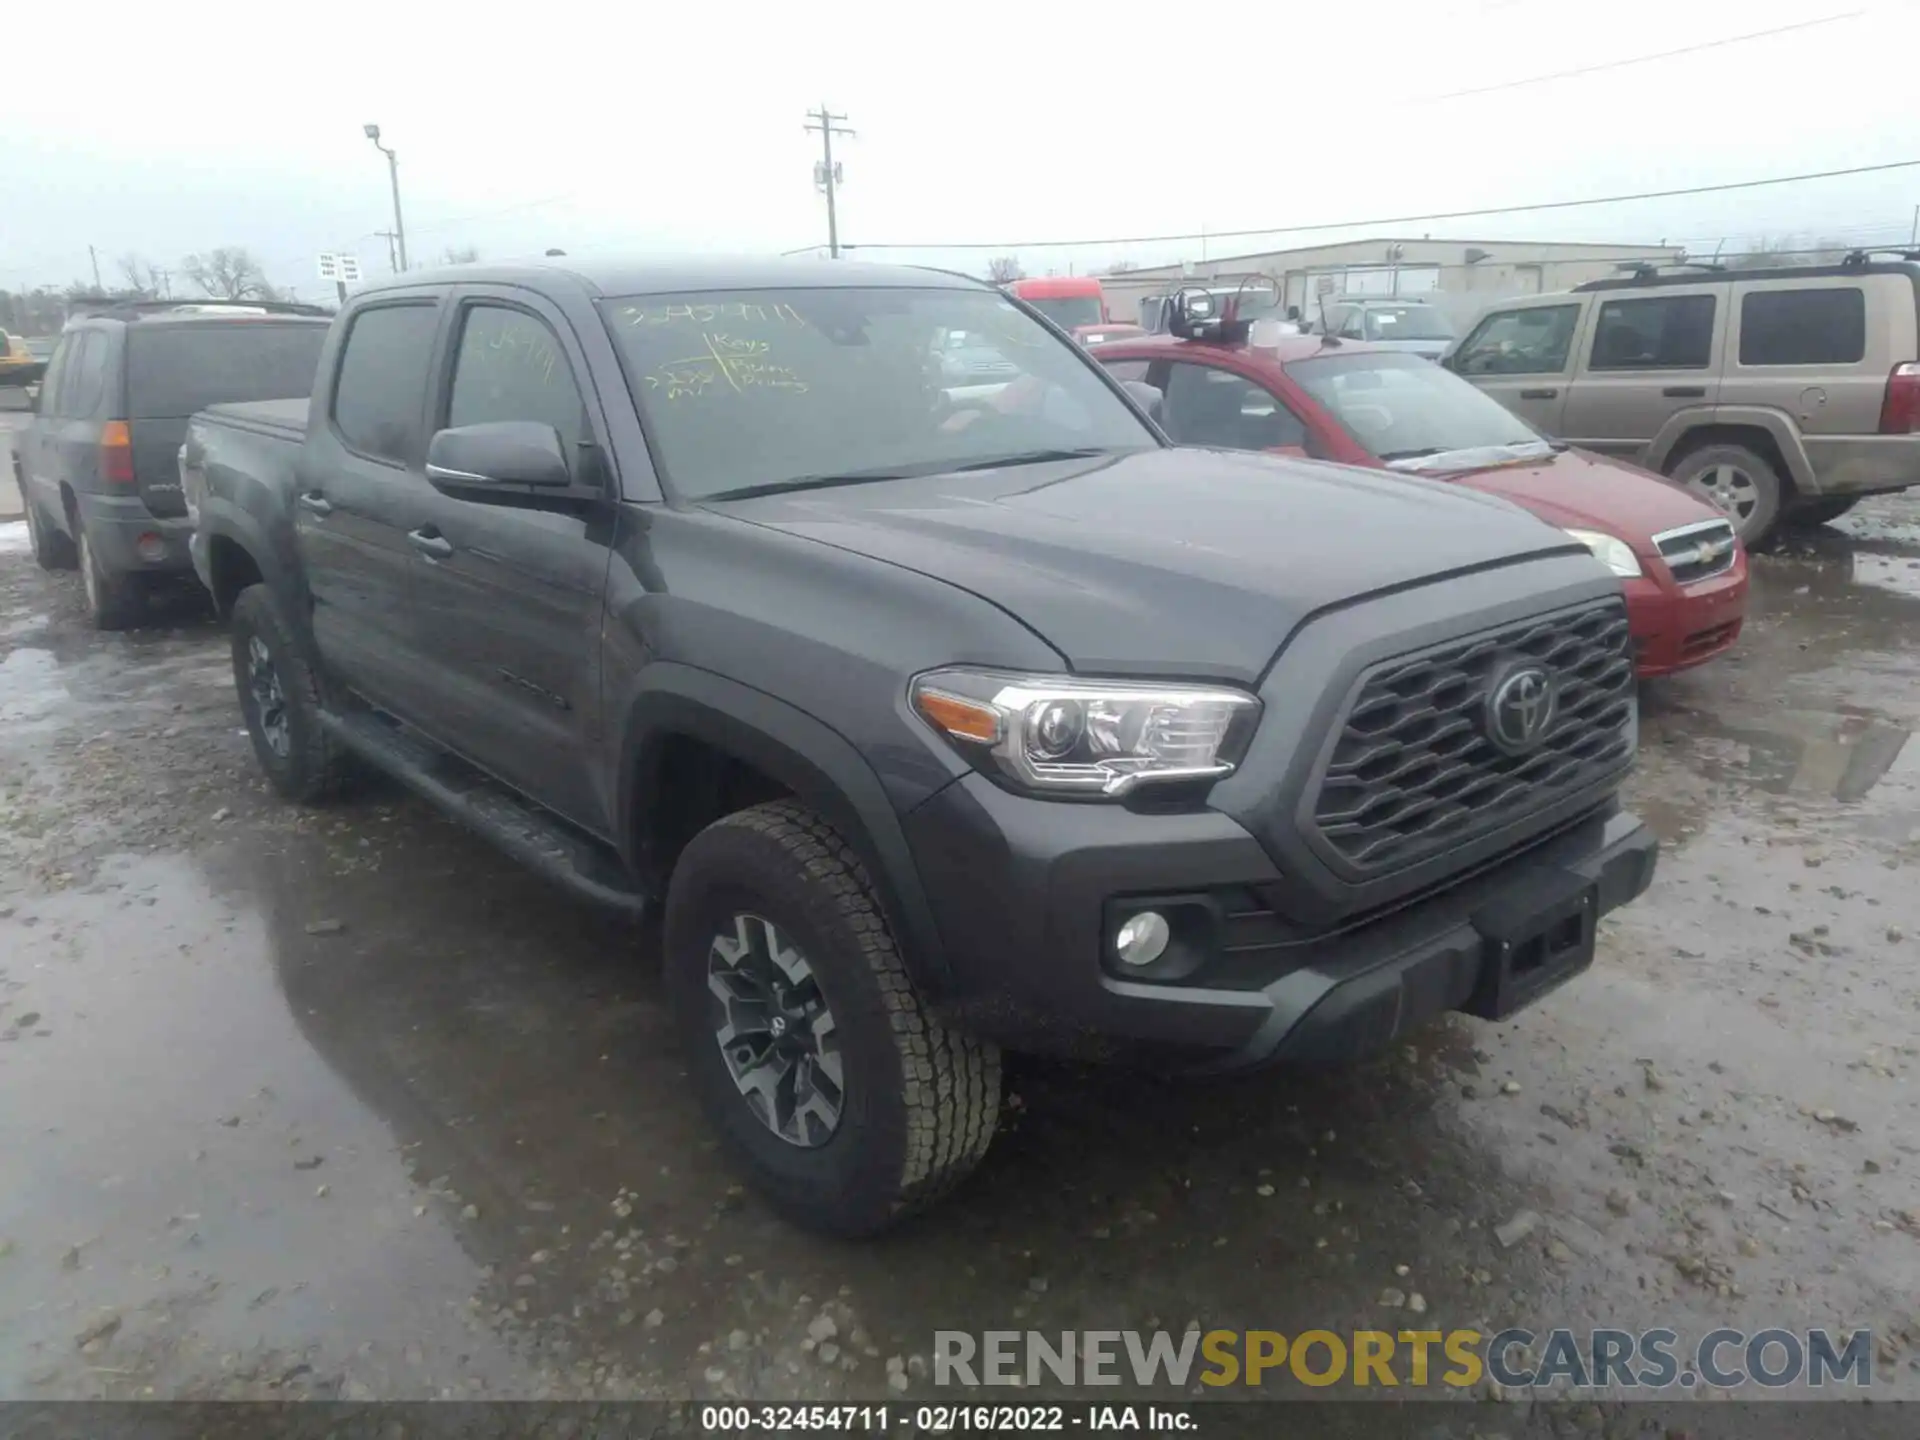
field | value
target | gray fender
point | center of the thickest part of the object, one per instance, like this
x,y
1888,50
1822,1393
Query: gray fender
x,y
1777,423
818,764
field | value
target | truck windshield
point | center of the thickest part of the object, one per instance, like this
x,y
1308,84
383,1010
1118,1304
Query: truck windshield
x,y
1070,311
174,370
1407,322
770,389
1401,407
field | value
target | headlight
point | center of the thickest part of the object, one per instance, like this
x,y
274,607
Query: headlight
x,y
1611,551
1057,734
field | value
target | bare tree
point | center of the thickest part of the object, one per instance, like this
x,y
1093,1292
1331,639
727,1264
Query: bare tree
x,y
1003,268
143,277
460,255
228,272
1787,250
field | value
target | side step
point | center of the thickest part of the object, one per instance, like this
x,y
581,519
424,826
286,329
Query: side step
x,y
531,835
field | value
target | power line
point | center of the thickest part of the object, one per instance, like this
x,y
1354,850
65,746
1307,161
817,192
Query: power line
x,y
1105,240
1647,59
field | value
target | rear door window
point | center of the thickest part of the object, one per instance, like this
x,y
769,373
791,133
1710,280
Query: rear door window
x,y
383,378
174,370
84,385
1534,341
52,386
1826,326
1666,332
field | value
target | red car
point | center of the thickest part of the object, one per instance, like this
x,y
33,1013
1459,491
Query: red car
x,y
1684,572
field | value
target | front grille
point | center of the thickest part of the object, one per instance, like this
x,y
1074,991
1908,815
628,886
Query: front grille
x,y
1413,770
1697,552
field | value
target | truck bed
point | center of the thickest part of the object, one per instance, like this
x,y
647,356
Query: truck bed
x,y
280,417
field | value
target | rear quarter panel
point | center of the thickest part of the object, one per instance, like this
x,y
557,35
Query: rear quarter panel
x,y
239,478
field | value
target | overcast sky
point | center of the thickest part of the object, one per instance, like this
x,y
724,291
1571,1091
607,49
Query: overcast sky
x,y
654,128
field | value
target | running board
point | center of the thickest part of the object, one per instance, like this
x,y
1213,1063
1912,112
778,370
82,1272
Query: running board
x,y
532,836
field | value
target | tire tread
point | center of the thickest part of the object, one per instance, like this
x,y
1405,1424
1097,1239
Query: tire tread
x,y
951,1089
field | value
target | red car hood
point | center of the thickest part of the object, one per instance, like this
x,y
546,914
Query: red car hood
x,y
1591,492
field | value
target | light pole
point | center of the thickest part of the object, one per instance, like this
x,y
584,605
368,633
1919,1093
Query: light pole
x,y
393,174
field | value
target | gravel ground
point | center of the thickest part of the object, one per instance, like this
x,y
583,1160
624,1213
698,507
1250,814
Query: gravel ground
x,y
340,1103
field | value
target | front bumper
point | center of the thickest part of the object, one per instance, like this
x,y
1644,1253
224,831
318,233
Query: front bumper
x,y
116,525
1028,893
1676,628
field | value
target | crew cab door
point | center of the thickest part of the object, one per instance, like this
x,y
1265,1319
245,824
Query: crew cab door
x,y
360,488
509,597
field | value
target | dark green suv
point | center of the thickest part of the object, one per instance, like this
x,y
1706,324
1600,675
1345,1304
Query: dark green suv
x,y
98,466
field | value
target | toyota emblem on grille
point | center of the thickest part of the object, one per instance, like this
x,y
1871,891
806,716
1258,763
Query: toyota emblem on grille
x,y
1520,709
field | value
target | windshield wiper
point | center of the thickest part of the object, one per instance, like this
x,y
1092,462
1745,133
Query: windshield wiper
x,y
1029,457
900,472
823,482
1414,454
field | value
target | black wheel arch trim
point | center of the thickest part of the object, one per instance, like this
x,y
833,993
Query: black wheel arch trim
x,y
812,760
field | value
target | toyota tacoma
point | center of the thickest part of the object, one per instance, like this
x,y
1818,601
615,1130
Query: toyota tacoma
x,y
933,724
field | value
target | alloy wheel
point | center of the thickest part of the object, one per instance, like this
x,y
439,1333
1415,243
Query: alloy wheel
x,y
269,700
775,1031
1728,489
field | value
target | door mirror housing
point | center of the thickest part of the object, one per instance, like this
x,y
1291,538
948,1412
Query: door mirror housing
x,y
500,458
1146,397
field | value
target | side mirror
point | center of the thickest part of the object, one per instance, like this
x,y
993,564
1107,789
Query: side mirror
x,y
498,456
1146,397
1447,362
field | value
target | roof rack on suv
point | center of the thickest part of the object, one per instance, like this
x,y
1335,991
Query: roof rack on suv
x,y
134,309
1864,256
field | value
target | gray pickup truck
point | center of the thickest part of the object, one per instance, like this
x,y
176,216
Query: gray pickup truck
x,y
938,721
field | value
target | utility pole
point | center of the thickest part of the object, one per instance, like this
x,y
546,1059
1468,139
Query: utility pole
x,y
393,262
393,174
1915,240
829,178
94,256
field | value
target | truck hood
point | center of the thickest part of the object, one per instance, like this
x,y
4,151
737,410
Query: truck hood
x,y
1196,563
1593,493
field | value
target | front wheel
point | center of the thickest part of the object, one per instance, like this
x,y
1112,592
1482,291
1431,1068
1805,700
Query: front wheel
x,y
843,1100
280,700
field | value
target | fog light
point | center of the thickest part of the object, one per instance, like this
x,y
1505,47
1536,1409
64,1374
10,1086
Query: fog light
x,y
1143,939
151,547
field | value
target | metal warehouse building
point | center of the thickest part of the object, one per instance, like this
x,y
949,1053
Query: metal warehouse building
x,y
1461,276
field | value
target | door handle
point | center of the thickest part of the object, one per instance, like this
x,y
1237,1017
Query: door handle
x,y
316,502
1685,392
434,547
1539,394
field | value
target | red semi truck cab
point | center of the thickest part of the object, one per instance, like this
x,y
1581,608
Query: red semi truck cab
x,y
1076,304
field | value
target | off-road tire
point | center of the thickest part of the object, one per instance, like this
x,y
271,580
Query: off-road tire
x,y
1819,512
920,1100
1771,492
51,549
114,602
316,766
